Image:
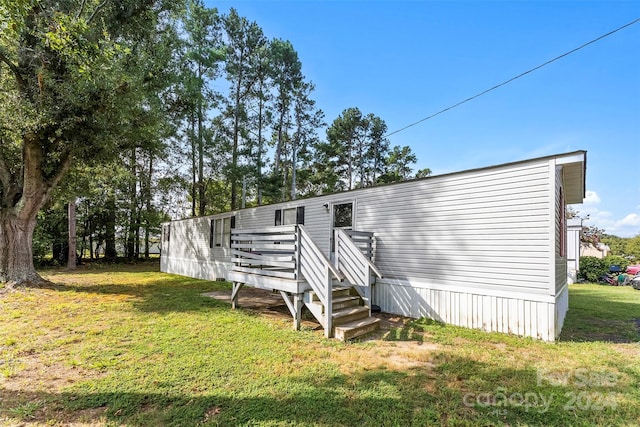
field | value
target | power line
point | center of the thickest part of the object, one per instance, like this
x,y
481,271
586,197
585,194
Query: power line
x,y
515,78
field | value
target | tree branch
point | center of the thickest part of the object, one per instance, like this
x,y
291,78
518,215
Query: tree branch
x,y
97,9
65,163
10,188
14,69
81,9
5,173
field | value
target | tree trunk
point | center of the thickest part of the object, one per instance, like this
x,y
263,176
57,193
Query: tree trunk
x,y
133,206
89,230
110,252
259,159
194,167
71,259
234,148
148,204
16,256
293,170
202,200
18,218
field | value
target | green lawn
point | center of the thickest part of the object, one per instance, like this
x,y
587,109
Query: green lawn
x,y
131,346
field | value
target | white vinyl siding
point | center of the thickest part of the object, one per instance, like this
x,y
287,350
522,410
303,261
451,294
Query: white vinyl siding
x,y
487,229
190,252
316,218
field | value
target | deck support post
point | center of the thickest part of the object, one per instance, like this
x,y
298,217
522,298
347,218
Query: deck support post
x,y
235,290
328,309
295,308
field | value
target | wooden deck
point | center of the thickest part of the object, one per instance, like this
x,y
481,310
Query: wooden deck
x,y
286,259
256,280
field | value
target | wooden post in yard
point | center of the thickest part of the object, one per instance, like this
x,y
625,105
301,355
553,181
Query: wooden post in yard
x,y
71,261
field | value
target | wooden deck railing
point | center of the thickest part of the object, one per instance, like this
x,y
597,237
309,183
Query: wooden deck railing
x,y
354,250
286,252
269,251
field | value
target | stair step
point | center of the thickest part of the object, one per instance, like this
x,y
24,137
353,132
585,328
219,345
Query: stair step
x,y
356,328
337,292
350,314
343,302
340,303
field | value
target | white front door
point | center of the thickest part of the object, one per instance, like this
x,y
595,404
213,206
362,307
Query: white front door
x,y
342,217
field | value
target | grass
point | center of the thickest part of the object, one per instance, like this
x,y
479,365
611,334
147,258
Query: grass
x,y
130,346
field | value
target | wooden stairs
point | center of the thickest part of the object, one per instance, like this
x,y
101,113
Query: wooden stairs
x,y
350,317
286,259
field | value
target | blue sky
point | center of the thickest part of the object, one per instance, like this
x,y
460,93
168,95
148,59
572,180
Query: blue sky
x,y
403,61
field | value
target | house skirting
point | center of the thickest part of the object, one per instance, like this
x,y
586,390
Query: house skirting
x,y
536,316
198,269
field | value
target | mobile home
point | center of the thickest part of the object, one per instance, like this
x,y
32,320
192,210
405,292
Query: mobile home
x,y
483,248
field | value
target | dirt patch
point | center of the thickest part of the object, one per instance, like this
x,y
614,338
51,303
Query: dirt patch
x,y
36,376
404,355
34,382
392,321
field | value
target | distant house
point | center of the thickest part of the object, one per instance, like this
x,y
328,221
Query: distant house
x,y
483,248
598,250
574,228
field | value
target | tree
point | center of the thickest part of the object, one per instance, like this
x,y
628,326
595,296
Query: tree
x,y
378,149
345,138
244,42
306,119
201,52
262,115
628,247
359,149
423,173
287,73
398,166
65,91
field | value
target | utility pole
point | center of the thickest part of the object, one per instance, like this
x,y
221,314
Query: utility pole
x,y
71,262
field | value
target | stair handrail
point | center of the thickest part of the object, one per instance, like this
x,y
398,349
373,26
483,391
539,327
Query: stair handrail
x,y
316,268
348,257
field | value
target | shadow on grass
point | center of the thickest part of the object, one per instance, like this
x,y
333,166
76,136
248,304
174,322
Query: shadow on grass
x,y
414,330
161,293
461,391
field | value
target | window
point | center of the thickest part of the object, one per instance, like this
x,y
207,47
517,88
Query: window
x,y
212,233
221,231
167,232
218,231
343,215
289,216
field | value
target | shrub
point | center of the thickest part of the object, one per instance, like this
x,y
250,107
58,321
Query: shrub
x,y
616,260
591,268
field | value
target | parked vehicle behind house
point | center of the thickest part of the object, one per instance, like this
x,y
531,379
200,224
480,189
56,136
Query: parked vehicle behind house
x,y
633,269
